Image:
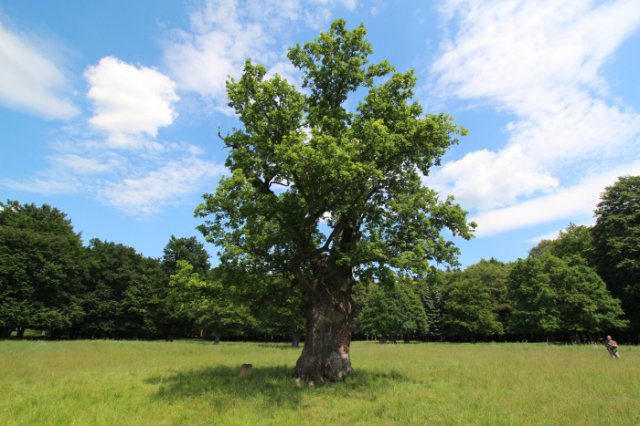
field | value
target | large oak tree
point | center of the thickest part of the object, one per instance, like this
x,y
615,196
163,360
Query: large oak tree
x,y
326,193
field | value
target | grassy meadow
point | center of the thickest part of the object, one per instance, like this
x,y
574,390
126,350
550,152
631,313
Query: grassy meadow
x,y
197,383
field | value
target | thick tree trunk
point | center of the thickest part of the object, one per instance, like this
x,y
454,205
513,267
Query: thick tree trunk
x,y
330,323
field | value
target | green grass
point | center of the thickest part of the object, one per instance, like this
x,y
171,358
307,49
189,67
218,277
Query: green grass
x,y
197,383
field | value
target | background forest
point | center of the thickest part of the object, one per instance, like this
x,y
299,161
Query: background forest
x,y
575,288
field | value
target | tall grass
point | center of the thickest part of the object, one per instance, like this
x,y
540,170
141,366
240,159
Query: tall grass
x,y
196,383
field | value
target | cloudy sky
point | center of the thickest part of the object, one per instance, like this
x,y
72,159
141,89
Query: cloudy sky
x,y
110,110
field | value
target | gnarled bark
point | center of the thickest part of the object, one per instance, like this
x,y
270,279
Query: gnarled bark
x,y
330,324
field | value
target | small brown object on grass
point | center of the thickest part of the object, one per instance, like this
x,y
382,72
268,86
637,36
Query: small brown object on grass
x,y
245,370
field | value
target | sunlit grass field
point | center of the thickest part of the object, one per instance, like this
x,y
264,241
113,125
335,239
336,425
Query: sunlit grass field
x,y
197,383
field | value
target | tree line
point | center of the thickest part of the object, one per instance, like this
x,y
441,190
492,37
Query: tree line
x,y
581,285
577,287
52,284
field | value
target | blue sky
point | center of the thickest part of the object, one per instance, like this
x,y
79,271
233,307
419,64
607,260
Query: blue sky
x,y
110,110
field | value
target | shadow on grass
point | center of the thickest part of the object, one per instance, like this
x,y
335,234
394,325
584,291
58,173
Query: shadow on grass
x,y
274,385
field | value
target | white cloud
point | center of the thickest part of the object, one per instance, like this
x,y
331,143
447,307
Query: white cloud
x,y
141,183
202,63
216,47
546,237
86,165
576,202
129,101
157,189
503,50
478,179
349,4
317,13
30,80
541,62
46,185
224,33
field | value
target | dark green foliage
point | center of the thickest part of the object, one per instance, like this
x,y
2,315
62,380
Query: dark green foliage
x,y
475,302
227,312
433,306
616,244
552,296
391,311
152,292
49,282
40,270
534,309
430,292
575,241
192,251
119,300
278,305
188,249
211,303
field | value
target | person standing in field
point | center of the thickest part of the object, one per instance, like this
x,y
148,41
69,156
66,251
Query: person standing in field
x,y
612,347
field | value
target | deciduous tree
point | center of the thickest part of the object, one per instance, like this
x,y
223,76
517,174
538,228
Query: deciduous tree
x,y
553,297
121,285
475,302
278,305
324,193
208,301
392,311
575,241
40,269
188,249
616,240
